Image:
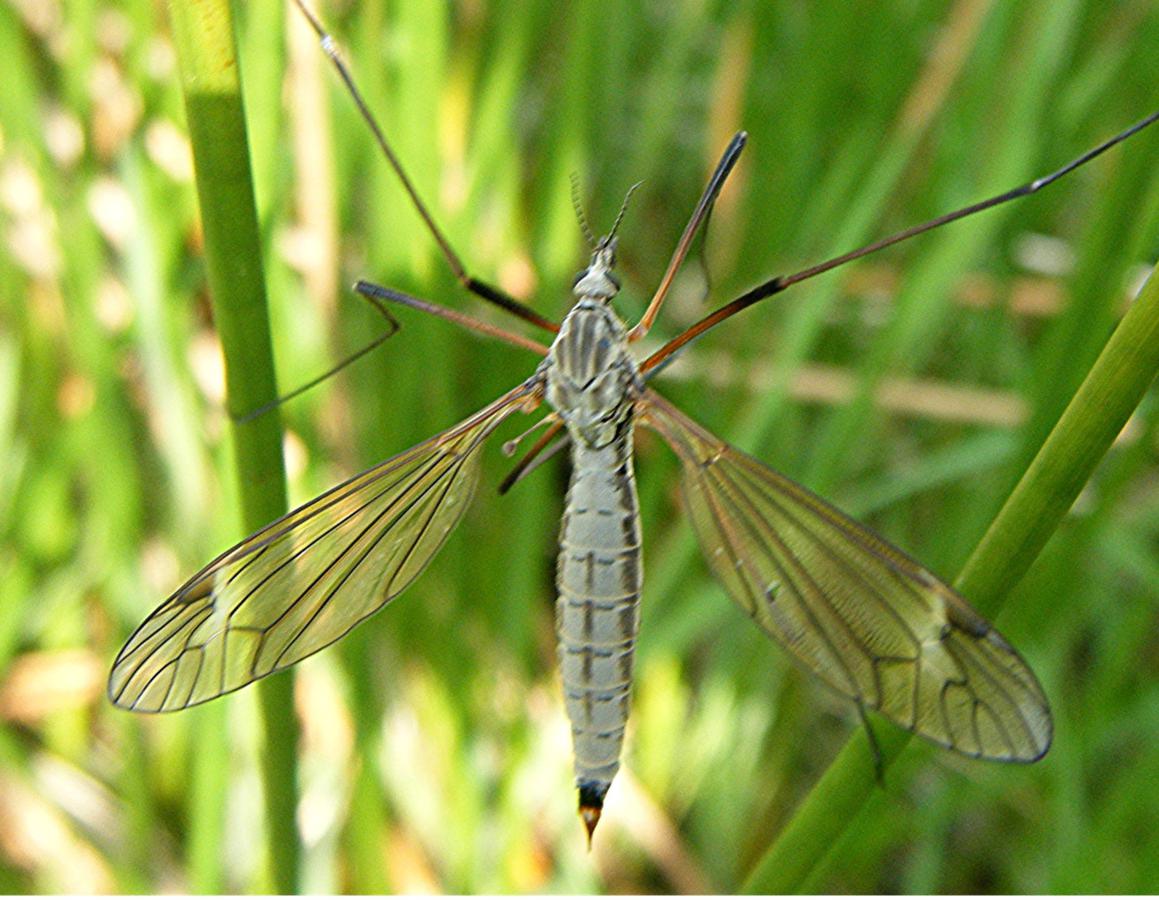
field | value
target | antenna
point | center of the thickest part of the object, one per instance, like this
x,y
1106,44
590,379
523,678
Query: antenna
x,y
589,236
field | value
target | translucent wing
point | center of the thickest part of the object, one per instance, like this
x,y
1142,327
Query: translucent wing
x,y
857,612
305,580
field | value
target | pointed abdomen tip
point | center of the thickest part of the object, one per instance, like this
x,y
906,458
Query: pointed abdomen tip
x,y
591,818
591,804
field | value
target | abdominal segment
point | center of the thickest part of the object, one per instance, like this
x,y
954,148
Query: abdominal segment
x,y
597,612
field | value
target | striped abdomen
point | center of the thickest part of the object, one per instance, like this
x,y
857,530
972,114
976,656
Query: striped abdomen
x,y
597,613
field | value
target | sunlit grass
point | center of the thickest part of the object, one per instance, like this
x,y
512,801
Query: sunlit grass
x,y
912,389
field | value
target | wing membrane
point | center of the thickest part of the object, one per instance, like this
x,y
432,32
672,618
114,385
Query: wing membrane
x,y
854,610
305,580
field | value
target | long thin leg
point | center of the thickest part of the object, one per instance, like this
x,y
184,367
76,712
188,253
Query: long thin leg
x,y
375,295
392,328
776,285
874,746
378,292
481,289
715,183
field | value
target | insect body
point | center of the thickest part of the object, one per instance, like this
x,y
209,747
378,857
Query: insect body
x,y
856,612
593,382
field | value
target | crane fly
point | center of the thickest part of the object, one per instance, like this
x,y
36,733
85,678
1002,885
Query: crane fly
x,y
858,613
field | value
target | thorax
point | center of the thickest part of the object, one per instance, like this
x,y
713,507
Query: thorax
x,y
592,380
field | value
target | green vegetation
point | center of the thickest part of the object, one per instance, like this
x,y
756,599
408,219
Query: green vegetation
x,y
914,389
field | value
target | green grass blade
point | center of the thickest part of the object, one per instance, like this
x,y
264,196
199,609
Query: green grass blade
x,y
204,36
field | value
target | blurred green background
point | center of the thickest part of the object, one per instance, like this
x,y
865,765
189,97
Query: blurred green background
x,y
911,389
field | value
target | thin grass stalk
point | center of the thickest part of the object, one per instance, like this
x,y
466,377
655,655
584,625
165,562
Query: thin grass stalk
x,y
204,36
1096,414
